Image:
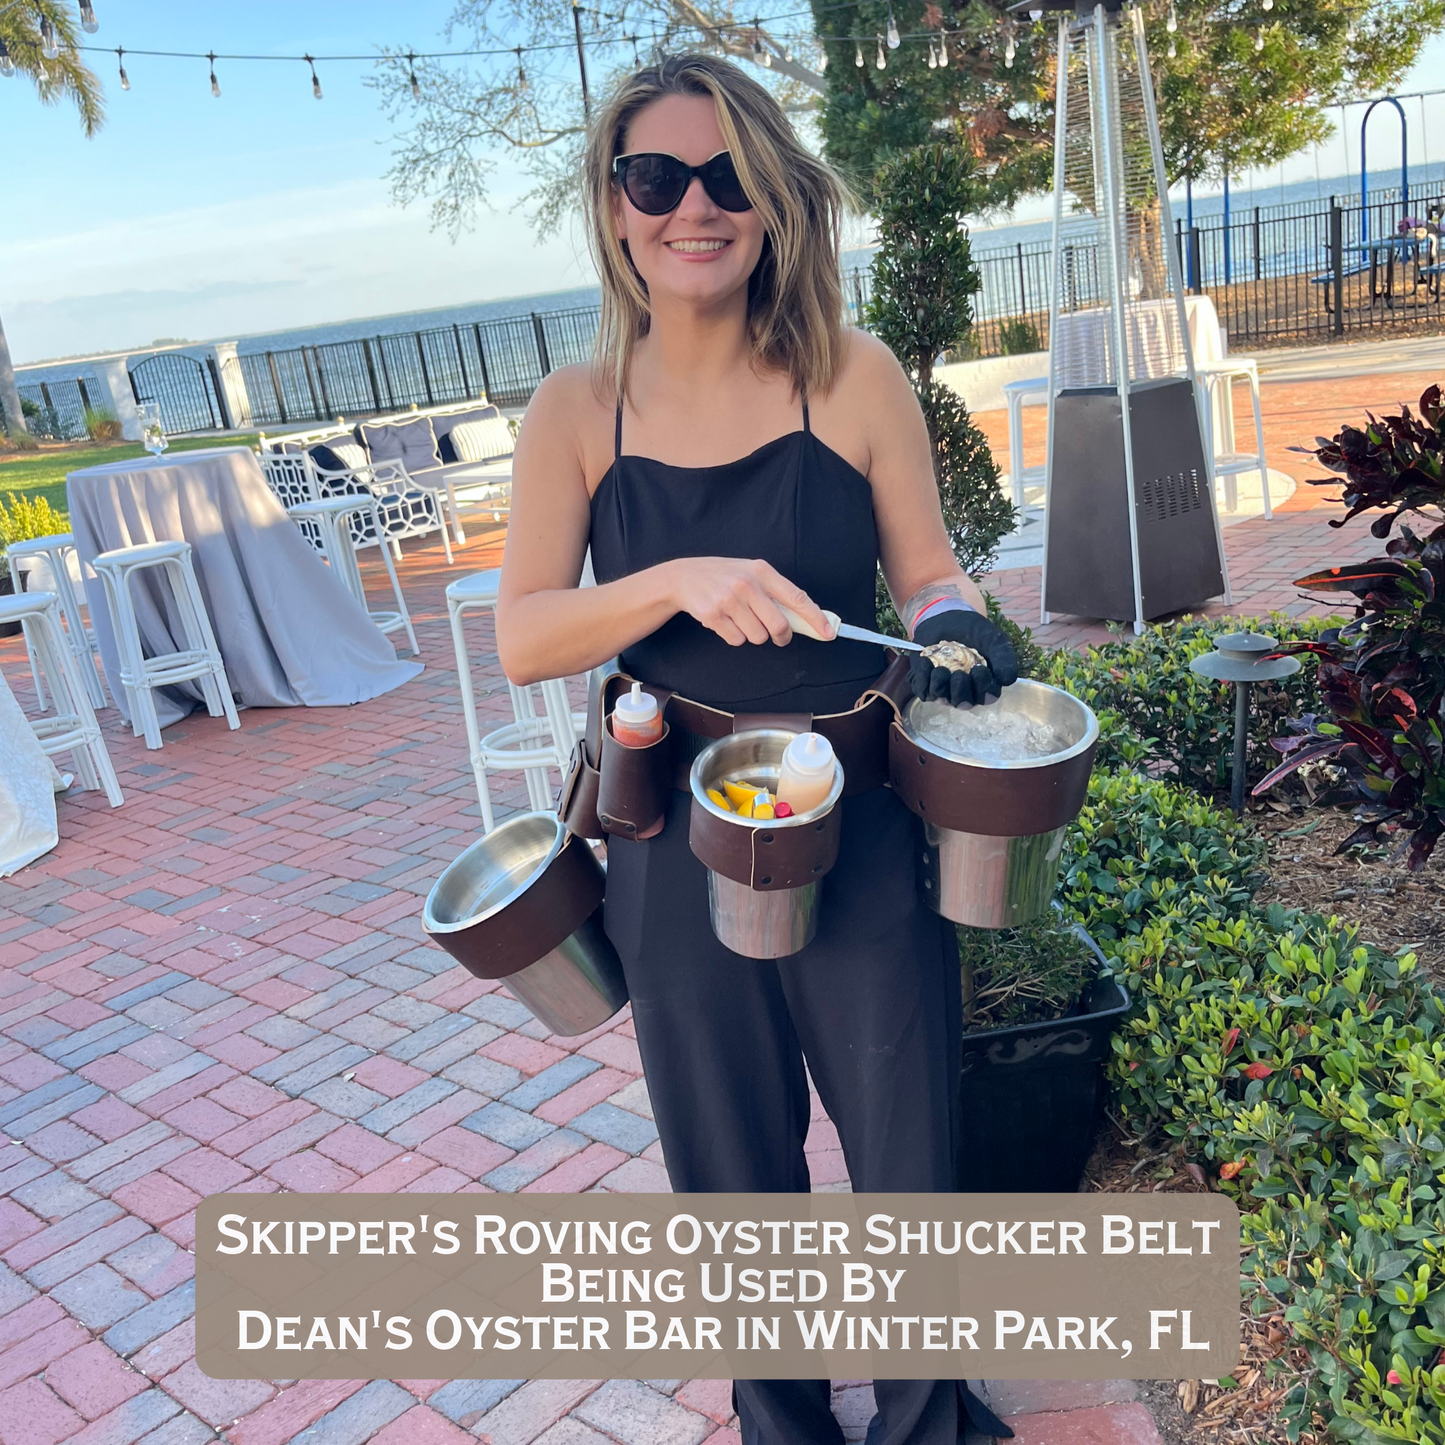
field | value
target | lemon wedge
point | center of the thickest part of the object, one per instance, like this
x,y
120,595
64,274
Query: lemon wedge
x,y
739,794
716,797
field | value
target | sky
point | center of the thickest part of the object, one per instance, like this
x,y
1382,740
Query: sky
x,y
192,217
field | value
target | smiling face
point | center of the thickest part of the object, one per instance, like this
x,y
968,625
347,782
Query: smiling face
x,y
699,254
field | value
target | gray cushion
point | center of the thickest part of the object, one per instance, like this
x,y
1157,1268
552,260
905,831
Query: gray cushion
x,y
442,425
412,443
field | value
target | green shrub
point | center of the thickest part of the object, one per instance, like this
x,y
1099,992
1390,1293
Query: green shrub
x,y
1186,722
25,518
1018,337
1024,975
1306,1070
1142,848
101,425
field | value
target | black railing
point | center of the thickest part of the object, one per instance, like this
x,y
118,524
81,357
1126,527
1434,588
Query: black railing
x,y
57,409
504,359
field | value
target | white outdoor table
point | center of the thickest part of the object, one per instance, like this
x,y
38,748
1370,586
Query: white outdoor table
x,y
27,790
290,633
1083,338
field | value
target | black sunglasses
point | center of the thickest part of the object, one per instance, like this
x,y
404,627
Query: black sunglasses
x,y
656,182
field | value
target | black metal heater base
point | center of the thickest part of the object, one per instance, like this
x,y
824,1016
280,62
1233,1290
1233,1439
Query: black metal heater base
x,y
1089,569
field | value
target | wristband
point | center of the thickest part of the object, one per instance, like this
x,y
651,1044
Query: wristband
x,y
942,604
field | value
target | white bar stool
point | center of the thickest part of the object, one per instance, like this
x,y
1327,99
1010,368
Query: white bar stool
x,y
1034,391
73,729
198,660
332,516
1218,377
55,553
531,742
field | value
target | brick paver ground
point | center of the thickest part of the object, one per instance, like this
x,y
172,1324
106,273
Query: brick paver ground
x,y
223,984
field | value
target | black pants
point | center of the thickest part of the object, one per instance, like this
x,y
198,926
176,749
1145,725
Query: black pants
x,y
872,1005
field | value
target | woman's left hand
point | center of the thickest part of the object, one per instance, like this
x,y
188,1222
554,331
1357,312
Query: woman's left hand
x,y
999,669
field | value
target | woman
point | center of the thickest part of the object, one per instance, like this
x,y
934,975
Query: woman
x,y
736,448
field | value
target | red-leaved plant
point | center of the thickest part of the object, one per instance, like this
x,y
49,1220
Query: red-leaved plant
x,y
1382,675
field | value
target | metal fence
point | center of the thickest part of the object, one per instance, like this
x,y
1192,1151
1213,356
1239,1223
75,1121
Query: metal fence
x,y
506,359
56,409
1320,275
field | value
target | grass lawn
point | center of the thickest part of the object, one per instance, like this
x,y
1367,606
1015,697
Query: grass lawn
x,y
32,474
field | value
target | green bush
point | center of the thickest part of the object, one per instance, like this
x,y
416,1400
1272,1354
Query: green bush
x,y
26,518
1019,337
1142,848
1306,1070
1186,722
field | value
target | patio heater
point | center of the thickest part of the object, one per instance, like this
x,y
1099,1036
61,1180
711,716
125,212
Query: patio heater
x,y
1130,530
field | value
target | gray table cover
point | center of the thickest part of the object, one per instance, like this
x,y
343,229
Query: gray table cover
x,y
290,633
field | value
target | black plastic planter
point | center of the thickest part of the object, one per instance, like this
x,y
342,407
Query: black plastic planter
x,y
7,588
1030,1097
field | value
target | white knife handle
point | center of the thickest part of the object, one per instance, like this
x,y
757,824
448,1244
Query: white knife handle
x,y
806,629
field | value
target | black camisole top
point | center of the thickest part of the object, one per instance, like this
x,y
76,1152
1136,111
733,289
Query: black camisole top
x,y
795,503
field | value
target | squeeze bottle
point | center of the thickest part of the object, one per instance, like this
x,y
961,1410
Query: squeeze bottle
x,y
806,777
636,721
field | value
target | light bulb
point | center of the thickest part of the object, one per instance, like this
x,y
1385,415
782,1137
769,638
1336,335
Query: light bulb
x,y
1350,31
1266,5
858,54
120,61
1172,24
943,49
215,84
411,79
88,22
932,57
1036,14
49,45
1259,39
767,61
893,38
1173,49
315,83
7,61
788,54
822,62
882,61
1009,52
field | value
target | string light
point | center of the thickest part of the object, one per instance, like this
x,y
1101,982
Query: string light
x,y
1173,49
893,36
943,49
49,45
1172,24
7,61
411,79
1350,31
882,61
932,57
1266,5
120,61
88,22
858,54
522,83
1259,39
215,84
822,62
1009,49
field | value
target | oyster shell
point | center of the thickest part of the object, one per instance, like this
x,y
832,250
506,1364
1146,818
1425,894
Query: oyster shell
x,y
955,656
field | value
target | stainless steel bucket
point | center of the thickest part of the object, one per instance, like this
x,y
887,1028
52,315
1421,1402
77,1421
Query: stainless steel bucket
x,y
994,831
524,905
762,921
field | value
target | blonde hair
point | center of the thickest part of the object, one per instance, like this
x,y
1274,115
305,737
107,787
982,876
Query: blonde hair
x,y
795,294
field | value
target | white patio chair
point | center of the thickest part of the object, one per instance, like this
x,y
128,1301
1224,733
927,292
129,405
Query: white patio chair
x,y
532,742
73,729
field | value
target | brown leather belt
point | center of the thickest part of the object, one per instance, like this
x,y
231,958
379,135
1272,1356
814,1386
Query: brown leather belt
x,y
624,797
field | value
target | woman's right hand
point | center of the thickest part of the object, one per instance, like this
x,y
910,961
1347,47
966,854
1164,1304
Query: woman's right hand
x,y
738,599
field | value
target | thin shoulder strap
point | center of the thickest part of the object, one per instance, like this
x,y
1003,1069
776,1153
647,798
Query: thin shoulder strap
x,y
617,445
806,427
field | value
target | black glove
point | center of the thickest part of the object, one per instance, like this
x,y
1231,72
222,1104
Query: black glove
x,y
975,631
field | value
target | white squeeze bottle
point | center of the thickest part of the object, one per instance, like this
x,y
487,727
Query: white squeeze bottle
x,y
807,772
636,722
